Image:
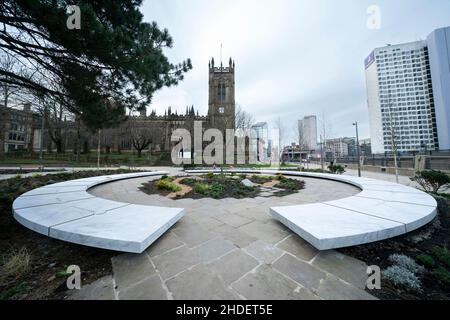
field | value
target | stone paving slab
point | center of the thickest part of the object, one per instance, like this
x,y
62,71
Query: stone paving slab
x,y
237,237
129,269
199,283
192,234
264,231
175,261
166,242
233,220
102,289
263,251
298,247
212,249
149,289
233,266
347,268
300,271
332,288
267,284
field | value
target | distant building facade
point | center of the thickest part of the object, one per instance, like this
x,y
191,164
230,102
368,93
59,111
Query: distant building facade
x,y
17,128
22,128
261,130
307,129
408,95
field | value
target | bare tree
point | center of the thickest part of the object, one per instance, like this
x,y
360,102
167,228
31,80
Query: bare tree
x,y
140,134
392,127
56,116
243,119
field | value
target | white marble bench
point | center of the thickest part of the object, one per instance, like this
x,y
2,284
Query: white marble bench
x,y
381,211
66,211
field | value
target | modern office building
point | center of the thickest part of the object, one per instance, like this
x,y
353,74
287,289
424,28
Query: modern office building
x,y
439,52
262,135
408,91
307,129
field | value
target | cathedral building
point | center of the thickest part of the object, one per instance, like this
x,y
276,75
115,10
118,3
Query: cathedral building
x,y
152,132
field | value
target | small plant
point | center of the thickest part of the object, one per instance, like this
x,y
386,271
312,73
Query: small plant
x,y
336,169
201,188
210,175
442,275
216,191
406,263
15,264
280,177
21,288
426,260
442,254
290,184
402,277
432,181
167,184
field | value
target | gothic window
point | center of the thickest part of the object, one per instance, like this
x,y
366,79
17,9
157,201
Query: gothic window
x,y
221,92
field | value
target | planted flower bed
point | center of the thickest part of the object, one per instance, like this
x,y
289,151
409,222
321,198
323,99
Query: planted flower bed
x,y
219,186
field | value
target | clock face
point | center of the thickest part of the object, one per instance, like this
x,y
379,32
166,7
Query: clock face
x,y
222,110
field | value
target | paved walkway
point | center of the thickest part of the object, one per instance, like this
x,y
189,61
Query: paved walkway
x,y
230,249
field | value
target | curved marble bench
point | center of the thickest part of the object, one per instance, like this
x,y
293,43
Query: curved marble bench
x,y
66,211
381,211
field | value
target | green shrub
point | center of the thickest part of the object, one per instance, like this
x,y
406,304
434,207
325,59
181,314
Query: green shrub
x,y
402,277
406,263
291,184
188,181
442,254
432,181
280,177
336,169
210,175
201,188
217,190
442,275
426,260
166,184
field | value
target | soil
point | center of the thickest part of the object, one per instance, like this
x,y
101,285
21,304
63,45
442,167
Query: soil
x,y
231,185
49,257
412,244
28,170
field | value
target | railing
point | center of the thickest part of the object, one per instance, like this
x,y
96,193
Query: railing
x,y
407,162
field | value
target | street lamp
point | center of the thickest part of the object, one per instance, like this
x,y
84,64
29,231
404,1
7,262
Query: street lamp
x,y
357,149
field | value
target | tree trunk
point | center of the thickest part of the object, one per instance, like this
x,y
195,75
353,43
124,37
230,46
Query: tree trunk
x,y
139,151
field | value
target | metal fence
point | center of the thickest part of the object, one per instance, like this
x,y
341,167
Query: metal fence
x,y
407,162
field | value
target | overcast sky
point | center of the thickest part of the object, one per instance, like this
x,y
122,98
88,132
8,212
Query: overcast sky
x,y
293,57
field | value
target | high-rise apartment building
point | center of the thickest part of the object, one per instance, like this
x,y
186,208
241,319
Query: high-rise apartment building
x,y
408,90
439,52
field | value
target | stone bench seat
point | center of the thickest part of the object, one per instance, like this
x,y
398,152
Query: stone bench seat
x,y
66,211
382,210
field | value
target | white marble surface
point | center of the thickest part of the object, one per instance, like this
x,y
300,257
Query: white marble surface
x,y
382,210
131,228
66,211
327,227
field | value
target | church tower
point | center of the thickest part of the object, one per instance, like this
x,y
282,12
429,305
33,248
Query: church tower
x,y
221,105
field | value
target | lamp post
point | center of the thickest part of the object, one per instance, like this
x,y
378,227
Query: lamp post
x,y
357,149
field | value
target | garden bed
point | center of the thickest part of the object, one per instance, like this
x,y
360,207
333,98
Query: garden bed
x,y
219,186
32,266
417,264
